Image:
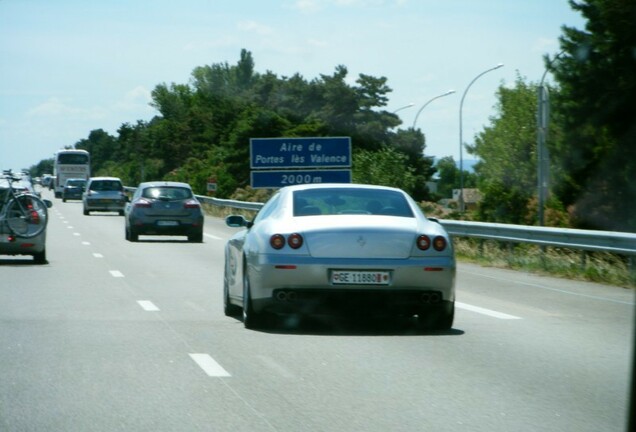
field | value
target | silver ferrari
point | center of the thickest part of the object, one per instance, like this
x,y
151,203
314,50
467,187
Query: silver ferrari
x,y
340,249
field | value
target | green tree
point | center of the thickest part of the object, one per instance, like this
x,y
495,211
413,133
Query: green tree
x,y
448,174
383,167
410,143
507,153
101,145
203,127
45,166
597,106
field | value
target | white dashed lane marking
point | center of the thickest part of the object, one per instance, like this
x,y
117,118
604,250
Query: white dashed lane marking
x,y
209,365
485,311
116,273
148,306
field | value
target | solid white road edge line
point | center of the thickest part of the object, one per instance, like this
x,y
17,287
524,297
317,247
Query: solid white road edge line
x,y
209,365
484,311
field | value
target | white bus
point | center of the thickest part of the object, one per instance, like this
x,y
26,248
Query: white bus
x,y
70,164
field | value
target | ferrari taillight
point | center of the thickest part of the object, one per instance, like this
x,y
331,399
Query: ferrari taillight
x,y
439,243
277,241
423,242
295,241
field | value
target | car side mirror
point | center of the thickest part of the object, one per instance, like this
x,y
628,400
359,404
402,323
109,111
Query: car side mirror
x,y
48,203
236,221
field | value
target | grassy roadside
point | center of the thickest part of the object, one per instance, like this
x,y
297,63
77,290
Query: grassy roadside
x,y
601,267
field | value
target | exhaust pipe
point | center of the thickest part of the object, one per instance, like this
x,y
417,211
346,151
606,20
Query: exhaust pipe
x,y
286,296
429,298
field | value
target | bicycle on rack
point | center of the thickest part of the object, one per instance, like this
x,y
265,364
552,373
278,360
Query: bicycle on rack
x,y
25,214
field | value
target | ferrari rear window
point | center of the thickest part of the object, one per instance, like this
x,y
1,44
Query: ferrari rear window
x,y
313,202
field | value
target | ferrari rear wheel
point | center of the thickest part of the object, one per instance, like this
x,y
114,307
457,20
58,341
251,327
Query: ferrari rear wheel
x,y
228,308
444,321
437,320
251,319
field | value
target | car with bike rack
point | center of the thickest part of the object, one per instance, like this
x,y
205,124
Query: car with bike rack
x,y
23,219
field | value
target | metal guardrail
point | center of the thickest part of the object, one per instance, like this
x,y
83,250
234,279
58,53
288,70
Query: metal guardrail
x,y
606,241
243,205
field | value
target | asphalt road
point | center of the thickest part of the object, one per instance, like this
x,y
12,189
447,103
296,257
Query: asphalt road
x,y
119,336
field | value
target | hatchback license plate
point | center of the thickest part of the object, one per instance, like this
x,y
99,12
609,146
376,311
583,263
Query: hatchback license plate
x,y
167,223
344,277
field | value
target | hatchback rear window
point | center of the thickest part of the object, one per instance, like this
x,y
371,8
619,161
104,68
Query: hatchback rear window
x,y
167,193
106,185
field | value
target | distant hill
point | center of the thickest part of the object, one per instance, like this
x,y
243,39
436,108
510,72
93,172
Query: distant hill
x,y
469,164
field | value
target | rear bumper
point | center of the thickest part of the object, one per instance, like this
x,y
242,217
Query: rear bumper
x,y
184,228
102,205
73,196
11,245
354,302
284,284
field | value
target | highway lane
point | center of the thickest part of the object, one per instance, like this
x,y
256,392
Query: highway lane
x,y
112,335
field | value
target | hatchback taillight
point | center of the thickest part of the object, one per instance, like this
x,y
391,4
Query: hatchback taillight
x,y
142,203
191,204
35,217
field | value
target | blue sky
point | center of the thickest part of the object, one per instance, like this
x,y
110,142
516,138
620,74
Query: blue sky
x,y
70,66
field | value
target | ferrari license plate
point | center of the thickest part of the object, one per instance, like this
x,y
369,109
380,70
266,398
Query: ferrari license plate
x,y
346,277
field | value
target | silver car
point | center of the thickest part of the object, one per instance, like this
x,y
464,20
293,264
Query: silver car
x,y
164,208
11,244
340,248
105,194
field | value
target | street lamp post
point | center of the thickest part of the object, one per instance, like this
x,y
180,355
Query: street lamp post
x,y
461,142
543,158
404,107
431,100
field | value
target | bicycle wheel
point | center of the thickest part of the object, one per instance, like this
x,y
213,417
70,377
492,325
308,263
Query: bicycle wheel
x,y
26,215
